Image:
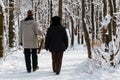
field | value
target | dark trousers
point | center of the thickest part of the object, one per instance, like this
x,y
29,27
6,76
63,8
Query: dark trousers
x,y
57,61
30,57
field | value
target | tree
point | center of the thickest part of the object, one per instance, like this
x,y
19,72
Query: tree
x,y
11,24
87,39
110,25
104,14
48,12
51,13
92,19
60,8
114,21
1,31
72,31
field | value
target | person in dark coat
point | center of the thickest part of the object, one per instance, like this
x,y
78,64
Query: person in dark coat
x,y
56,41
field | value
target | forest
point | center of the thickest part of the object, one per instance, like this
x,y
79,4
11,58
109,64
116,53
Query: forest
x,y
92,23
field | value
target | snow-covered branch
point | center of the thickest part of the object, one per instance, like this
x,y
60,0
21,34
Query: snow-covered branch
x,y
1,3
106,20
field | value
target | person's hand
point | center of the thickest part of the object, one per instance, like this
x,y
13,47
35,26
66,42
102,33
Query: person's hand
x,y
20,44
46,48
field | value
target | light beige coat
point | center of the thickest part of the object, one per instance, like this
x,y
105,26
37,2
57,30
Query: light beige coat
x,y
28,32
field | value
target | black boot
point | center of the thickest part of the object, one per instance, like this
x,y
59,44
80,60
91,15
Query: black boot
x,y
34,69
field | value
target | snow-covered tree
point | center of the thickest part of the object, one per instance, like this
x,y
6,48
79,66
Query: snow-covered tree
x,y
11,24
1,29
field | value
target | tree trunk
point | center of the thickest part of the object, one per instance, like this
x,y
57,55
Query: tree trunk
x,y
60,8
35,11
48,12
114,23
104,8
72,29
110,26
104,14
96,23
82,39
87,39
92,19
19,14
11,25
32,4
1,32
51,14
78,31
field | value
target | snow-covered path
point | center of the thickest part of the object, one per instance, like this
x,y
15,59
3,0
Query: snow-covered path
x,y
14,67
75,66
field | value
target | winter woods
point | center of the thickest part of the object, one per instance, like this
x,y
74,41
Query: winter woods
x,y
88,22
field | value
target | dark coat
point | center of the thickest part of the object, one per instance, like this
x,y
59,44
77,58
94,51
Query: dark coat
x,y
56,39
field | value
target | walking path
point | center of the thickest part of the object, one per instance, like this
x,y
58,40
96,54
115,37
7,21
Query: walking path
x,y
75,66
14,67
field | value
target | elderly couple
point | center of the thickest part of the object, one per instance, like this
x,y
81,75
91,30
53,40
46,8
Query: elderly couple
x,y
56,41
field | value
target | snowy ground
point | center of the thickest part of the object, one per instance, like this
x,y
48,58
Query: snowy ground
x,y
74,67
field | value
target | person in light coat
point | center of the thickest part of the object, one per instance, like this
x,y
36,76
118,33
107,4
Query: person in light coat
x,y
28,32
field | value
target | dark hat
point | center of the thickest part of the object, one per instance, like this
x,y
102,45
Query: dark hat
x,y
56,19
30,13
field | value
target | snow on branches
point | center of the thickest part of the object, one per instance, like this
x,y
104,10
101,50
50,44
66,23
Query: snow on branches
x,y
1,3
106,20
